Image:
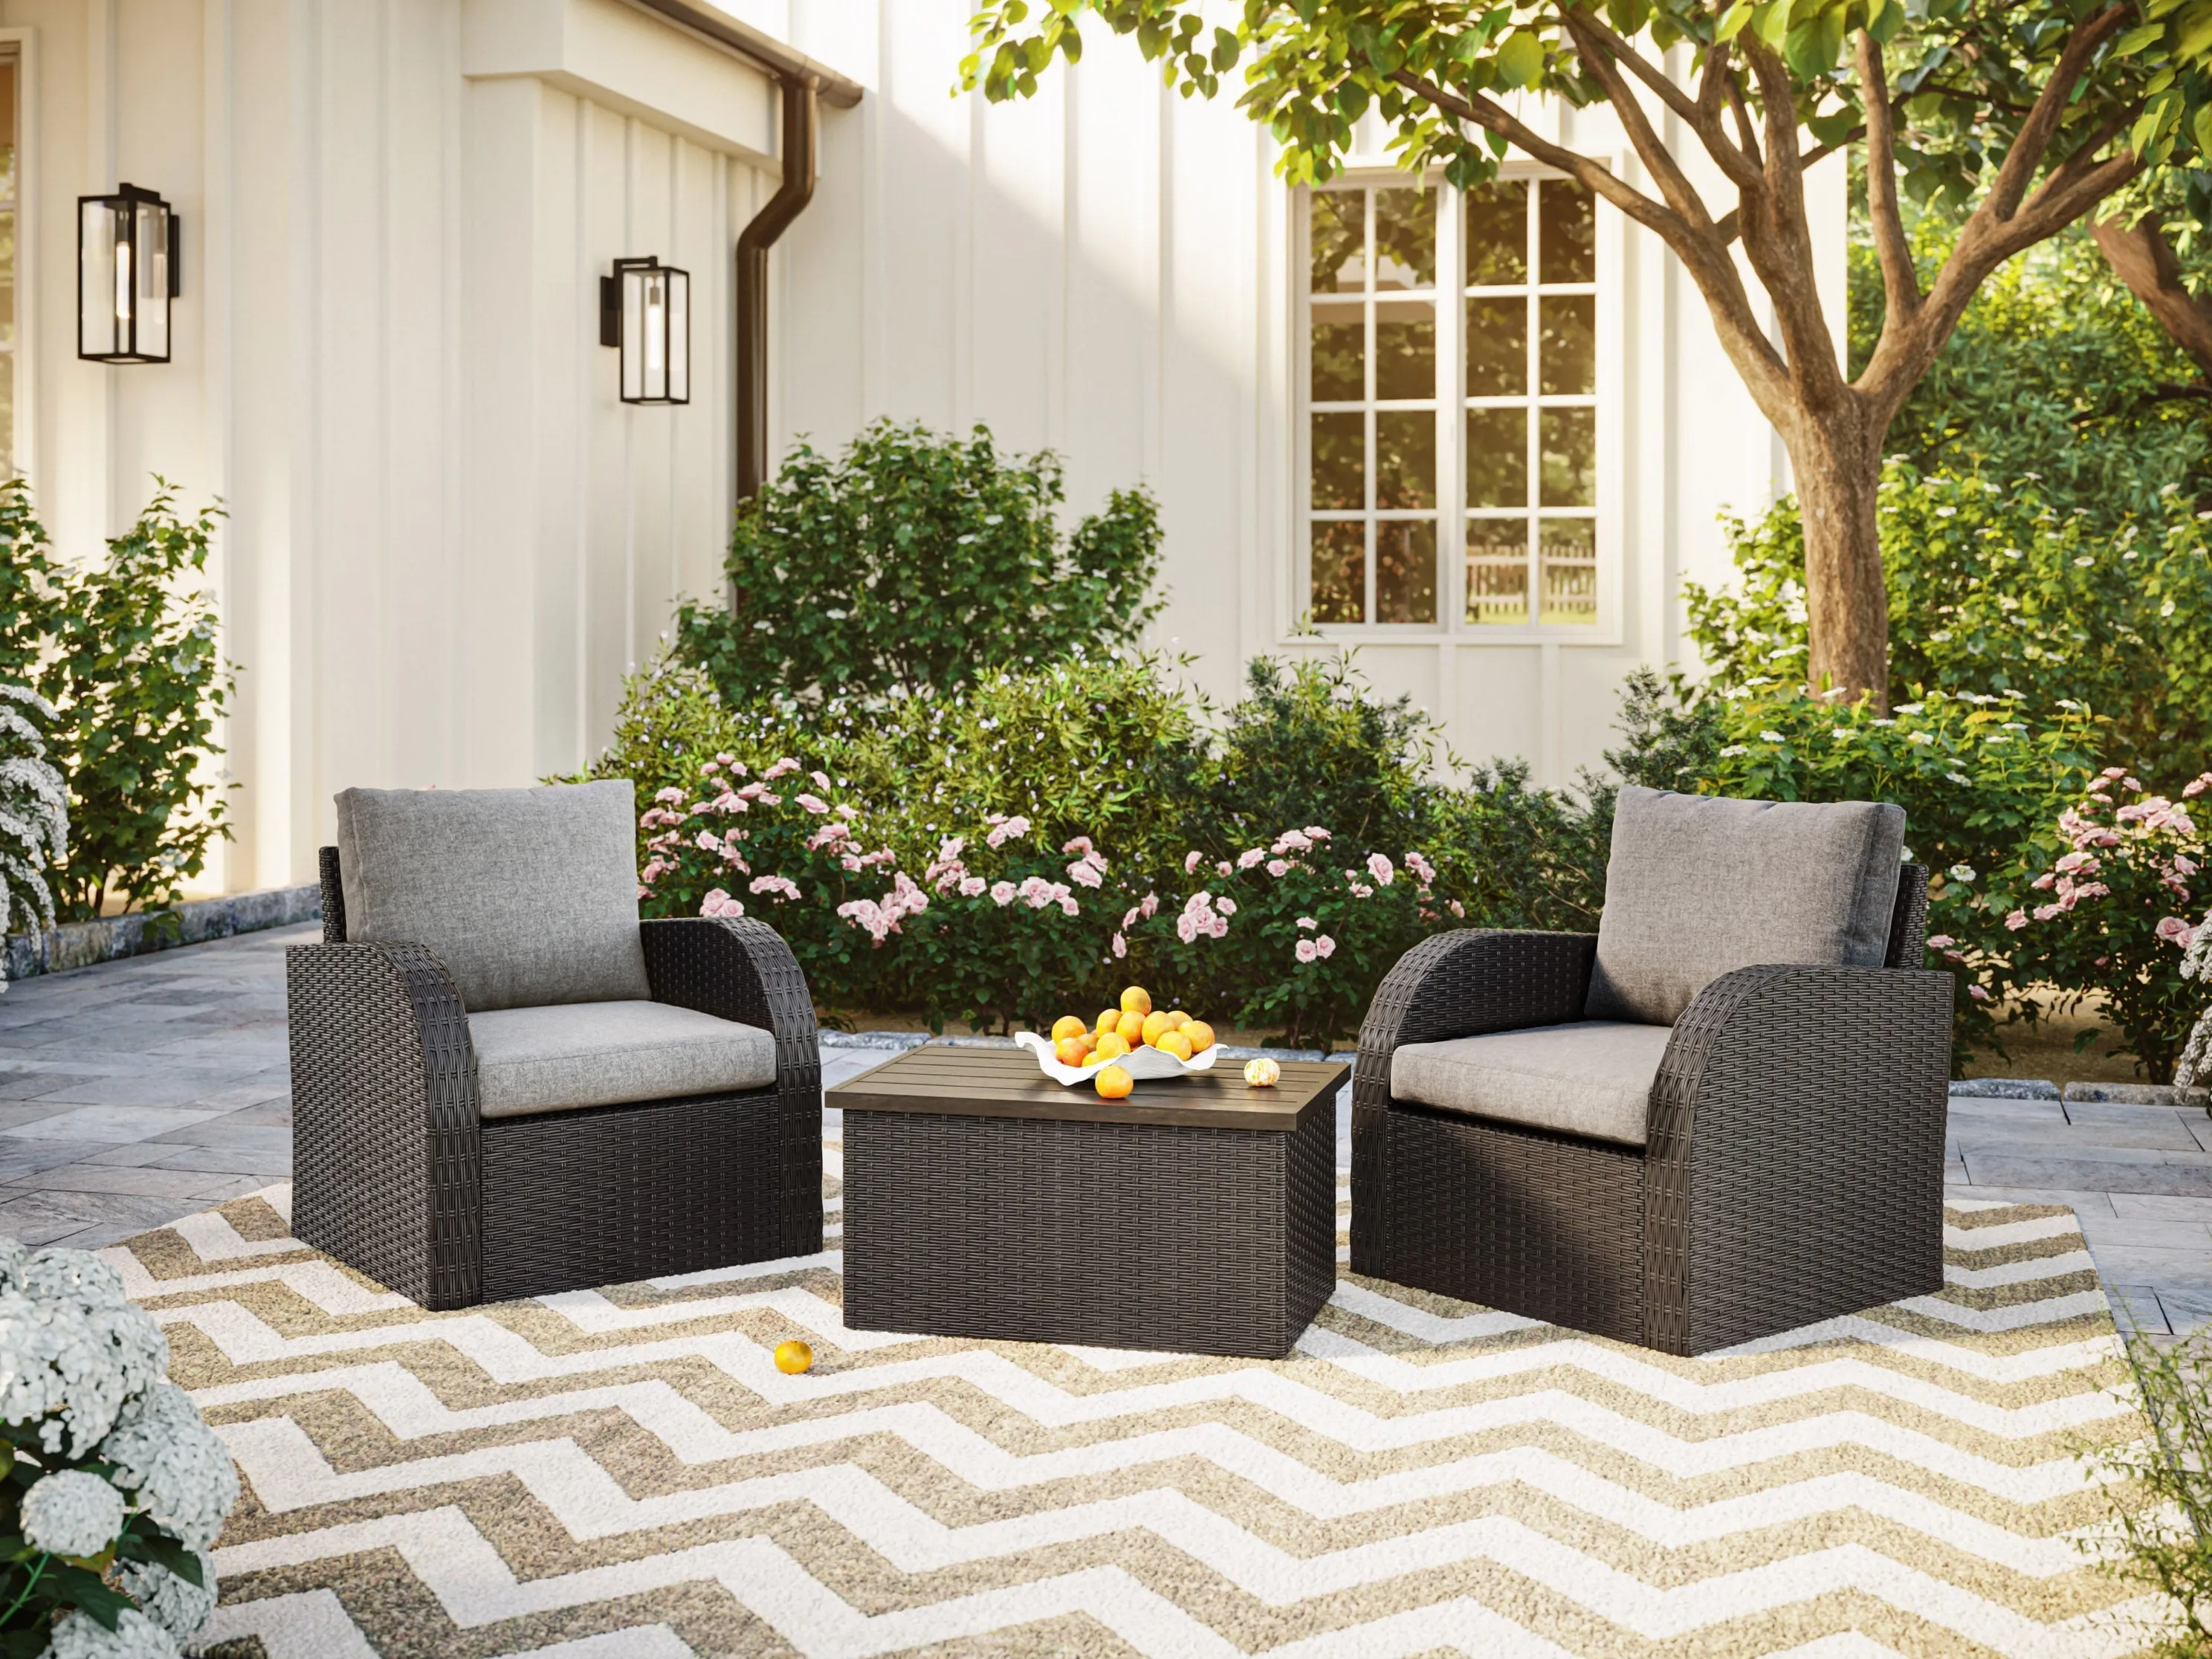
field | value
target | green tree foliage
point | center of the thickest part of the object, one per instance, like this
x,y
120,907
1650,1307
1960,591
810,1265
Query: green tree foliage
x,y
125,651
914,563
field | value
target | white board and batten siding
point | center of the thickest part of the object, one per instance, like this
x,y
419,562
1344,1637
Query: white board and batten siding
x,y
448,539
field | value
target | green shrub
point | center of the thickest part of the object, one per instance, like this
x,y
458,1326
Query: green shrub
x,y
34,814
916,563
1993,590
125,651
2159,1489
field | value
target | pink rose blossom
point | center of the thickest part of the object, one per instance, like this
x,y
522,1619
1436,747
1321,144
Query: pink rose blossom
x,y
1227,906
828,833
2044,912
1293,841
1190,862
814,803
781,885
1278,869
720,903
1219,927
1250,856
1978,993
1080,844
671,796
973,886
2196,786
2016,920
2174,931
1941,941
1324,946
1186,927
1224,868
1308,922
1381,869
1121,947
821,779
705,841
1003,830
1426,872
1304,950
1085,874
1456,908
1317,832
784,765
1150,904
1002,893
2043,882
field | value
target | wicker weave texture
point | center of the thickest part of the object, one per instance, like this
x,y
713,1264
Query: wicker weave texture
x,y
1793,1169
1114,1235
1456,984
396,1175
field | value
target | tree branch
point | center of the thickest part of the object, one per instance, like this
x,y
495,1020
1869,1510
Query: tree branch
x,y
2142,257
1703,253
2024,160
1673,184
1700,117
1901,277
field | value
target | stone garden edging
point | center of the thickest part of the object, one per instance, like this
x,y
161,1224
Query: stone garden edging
x,y
110,938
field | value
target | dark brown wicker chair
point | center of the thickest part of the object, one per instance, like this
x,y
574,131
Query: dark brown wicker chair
x,y
396,1172
1793,1169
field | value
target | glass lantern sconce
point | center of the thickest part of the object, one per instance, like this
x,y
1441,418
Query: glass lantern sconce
x,y
130,266
645,313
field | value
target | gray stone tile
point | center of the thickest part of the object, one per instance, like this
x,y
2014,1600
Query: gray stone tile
x,y
2164,1133
222,1188
2162,1207
276,1113
2012,1111
2139,1308
2190,1268
224,1160
2102,1113
2186,1310
2150,1232
109,1178
2081,1199
110,1123
220,1132
174,1086
27,1113
43,1209
2200,1126
21,1159
2084,1174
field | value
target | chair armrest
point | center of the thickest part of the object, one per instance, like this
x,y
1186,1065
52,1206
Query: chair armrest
x,y
1795,1150
1456,984
737,968
387,1151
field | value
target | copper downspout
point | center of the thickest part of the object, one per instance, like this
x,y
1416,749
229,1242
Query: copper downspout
x,y
801,119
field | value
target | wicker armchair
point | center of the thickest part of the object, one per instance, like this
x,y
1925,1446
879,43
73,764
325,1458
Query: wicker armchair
x,y
398,1172
1791,1163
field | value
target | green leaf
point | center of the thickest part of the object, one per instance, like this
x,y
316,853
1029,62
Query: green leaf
x,y
2193,35
1520,60
1352,99
2200,128
1771,22
1733,20
2143,34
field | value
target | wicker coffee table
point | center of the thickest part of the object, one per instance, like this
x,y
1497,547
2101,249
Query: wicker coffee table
x,y
983,1200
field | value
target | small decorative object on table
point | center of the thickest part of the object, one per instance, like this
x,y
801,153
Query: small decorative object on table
x,y
1132,1042
1262,1074
113,1489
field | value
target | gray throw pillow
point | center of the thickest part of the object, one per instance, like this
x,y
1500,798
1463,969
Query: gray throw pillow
x,y
1699,886
529,897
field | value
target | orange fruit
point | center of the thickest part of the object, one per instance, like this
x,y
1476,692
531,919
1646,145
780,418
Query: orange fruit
x,y
1093,1059
1114,1083
1155,1026
1108,1020
1131,1028
1262,1074
792,1357
1177,1019
1068,1051
1174,1042
1201,1036
1113,1046
1137,1000
1065,1026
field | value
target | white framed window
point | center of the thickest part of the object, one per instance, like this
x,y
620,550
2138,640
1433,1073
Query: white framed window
x,y
1457,418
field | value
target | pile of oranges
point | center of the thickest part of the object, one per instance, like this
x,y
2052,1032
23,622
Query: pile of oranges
x,y
1122,1030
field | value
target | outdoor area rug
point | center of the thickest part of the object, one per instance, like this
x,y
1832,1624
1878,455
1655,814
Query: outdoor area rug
x,y
623,1472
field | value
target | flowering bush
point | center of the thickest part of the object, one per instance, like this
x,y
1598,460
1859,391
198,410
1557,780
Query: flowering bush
x,y
114,1490
33,815
2112,911
1294,935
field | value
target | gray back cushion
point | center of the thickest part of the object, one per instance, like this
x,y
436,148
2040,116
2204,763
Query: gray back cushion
x,y
1698,887
529,897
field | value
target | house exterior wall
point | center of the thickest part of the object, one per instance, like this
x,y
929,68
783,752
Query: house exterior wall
x,y
447,539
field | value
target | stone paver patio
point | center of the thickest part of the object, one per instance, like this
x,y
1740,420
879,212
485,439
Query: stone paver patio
x,y
138,1091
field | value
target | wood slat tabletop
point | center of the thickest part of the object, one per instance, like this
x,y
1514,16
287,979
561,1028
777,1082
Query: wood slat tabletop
x,y
1003,1082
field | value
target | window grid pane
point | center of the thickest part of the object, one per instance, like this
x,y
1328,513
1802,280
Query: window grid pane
x,y
1372,377
1521,456
1530,428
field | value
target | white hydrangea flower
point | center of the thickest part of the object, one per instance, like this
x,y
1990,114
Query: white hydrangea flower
x,y
79,1636
13,1254
70,1512
68,1368
176,1604
74,1276
173,1462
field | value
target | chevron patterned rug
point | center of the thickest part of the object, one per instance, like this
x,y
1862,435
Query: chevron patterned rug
x,y
622,1473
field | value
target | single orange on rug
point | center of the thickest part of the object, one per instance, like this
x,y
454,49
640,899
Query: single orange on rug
x,y
1114,1083
794,1356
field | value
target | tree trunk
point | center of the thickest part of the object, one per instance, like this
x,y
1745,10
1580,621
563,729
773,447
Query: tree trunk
x,y
2142,257
1838,460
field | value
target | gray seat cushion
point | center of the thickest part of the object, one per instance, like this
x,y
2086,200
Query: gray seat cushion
x,y
1592,1077
1698,887
529,897
608,1053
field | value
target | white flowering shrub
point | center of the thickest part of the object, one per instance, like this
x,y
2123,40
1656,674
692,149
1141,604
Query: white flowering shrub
x,y
33,815
112,1488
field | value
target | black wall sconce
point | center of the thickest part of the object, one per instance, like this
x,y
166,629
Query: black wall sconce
x,y
645,312
129,265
